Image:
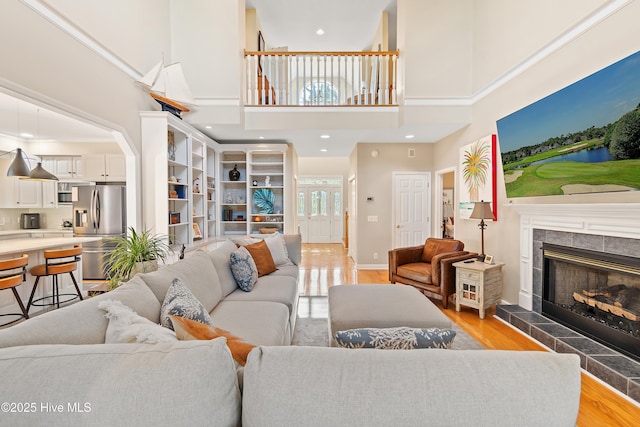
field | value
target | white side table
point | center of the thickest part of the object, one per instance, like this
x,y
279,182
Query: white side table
x,y
478,285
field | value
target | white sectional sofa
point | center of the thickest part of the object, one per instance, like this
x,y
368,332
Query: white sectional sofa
x,y
56,369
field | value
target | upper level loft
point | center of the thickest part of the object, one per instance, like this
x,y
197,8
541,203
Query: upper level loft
x,y
321,78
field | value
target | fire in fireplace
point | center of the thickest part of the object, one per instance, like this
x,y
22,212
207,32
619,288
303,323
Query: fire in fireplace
x,y
594,293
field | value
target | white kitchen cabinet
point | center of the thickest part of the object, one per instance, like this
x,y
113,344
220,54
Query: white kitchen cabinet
x,y
66,168
27,194
49,194
104,167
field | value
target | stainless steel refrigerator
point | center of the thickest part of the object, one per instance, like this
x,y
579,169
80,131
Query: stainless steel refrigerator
x,y
98,210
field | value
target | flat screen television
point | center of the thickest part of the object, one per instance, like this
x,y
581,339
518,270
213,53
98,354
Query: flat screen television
x,y
584,138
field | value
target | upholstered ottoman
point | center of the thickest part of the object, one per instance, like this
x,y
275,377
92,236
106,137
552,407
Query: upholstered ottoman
x,y
381,306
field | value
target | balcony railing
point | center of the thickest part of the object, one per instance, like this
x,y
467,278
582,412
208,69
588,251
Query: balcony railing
x,y
321,78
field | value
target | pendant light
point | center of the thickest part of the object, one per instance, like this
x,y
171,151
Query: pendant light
x,y
18,166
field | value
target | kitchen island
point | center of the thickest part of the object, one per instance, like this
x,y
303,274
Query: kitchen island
x,y
35,247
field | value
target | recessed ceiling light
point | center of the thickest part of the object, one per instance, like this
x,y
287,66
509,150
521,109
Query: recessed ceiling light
x,y
207,127
324,150
325,136
320,31
26,135
410,136
261,137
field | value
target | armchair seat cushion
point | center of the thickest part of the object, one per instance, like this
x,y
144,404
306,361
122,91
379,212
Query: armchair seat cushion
x,y
418,271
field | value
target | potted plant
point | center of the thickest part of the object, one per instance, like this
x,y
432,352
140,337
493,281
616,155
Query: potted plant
x,y
135,253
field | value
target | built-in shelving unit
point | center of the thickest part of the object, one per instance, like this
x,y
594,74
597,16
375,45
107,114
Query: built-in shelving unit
x,y
184,159
210,191
189,193
266,175
233,193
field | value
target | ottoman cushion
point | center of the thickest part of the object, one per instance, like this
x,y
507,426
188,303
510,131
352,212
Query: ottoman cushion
x,y
381,306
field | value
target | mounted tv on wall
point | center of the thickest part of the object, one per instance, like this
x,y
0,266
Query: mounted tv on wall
x,y
584,138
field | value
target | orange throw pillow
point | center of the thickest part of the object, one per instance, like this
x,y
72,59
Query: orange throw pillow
x,y
187,329
262,257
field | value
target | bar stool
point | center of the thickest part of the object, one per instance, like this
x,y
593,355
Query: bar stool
x,y
57,261
13,272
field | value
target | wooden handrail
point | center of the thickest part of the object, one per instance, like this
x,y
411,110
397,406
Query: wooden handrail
x,y
311,53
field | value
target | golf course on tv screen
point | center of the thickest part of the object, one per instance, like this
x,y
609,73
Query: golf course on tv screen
x,y
584,138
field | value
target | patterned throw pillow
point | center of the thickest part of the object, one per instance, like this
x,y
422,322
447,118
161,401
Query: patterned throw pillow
x,y
401,338
243,268
179,301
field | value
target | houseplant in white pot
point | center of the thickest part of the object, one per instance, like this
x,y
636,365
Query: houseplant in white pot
x,y
135,252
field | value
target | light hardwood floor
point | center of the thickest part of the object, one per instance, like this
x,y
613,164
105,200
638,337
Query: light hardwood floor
x,y
326,265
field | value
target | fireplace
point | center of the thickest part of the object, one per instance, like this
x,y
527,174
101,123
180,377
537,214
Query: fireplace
x,y
594,293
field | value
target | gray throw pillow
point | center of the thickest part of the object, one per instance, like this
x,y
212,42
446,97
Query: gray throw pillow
x,y
179,301
244,269
401,338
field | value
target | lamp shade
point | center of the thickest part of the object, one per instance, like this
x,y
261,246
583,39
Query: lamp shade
x,y
18,166
482,210
40,174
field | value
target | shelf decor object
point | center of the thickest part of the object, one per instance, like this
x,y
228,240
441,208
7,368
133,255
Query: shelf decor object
x,y
264,200
234,174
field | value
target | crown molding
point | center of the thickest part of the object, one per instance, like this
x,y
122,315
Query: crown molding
x,y
572,33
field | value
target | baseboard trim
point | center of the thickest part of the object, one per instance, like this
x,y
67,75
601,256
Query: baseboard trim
x,y
372,266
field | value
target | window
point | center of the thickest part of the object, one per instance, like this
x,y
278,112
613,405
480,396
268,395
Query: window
x,y
318,93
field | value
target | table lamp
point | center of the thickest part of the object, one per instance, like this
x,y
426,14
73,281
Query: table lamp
x,y
482,210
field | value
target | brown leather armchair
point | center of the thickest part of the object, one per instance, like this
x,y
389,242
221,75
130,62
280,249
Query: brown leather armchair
x,y
429,267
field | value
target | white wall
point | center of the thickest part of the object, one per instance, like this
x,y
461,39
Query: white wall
x,y
613,39
435,43
375,180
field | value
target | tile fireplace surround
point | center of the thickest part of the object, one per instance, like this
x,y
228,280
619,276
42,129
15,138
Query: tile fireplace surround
x,y
612,228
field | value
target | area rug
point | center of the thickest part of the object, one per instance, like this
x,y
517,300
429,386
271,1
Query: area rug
x,y
315,332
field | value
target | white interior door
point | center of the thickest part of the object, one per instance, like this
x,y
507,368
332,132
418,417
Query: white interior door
x,y
412,207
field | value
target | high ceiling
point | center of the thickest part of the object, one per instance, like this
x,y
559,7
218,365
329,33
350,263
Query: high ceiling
x,y
348,25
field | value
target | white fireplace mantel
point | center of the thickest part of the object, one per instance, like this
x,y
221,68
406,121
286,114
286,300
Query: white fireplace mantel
x,y
606,219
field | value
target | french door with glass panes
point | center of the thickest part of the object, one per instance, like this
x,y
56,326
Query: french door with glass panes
x,y
320,213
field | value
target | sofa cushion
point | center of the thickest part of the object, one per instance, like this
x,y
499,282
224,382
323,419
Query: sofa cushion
x,y
179,301
437,246
123,384
262,257
282,289
400,338
291,270
392,388
278,248
294,247
187,329
257,322
221,257
418,271
244,269
126,326
196,272
62,326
